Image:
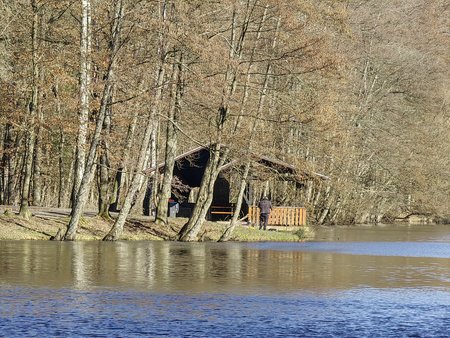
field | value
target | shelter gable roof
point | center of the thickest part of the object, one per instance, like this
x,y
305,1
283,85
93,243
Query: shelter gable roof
x,y
261,159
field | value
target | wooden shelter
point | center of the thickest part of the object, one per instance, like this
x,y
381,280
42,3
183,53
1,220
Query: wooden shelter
x,y
188,172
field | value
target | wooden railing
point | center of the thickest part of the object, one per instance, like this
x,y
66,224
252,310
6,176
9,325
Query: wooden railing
x,y
287,216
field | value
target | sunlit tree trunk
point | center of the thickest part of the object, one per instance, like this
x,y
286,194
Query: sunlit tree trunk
x,y
85,81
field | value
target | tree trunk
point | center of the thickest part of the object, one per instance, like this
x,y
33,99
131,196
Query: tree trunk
x,y
7,164
326,209
17,164
103,186
143,159
38,184
144,156
191,229
85,81
3,167
171,143
229,230
124,167
61,141
37,179
137,205
33,106
104,197
153,200
117,228
83,192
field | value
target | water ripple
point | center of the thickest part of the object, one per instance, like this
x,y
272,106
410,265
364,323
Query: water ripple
x,y
104,313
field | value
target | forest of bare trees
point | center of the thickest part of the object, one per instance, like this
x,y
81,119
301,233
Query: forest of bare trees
x,y
93,93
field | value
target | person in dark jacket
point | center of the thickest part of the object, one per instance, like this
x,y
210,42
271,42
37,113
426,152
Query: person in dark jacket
x,y
265,207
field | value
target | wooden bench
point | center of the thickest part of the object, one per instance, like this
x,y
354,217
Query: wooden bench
x,y
221,210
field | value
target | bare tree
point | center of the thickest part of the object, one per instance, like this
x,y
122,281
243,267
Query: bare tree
x,y
145,147
218,154
83,191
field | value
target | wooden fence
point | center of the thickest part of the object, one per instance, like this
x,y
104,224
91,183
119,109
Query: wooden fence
x,y
287,216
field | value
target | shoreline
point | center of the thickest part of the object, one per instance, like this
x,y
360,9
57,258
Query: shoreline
x,y
45,222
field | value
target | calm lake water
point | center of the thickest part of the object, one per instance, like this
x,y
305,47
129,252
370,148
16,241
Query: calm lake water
x,y
391,281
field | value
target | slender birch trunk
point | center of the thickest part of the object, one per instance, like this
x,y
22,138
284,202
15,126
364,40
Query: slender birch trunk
x,y
85,81
138,208
163,48
124,166
123,175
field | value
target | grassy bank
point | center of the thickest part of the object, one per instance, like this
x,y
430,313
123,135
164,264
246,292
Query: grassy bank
x,y
45,223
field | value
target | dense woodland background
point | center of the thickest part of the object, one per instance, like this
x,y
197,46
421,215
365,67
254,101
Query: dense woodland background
x,y
95,92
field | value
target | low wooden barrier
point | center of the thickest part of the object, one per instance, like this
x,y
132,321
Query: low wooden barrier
x,y
287,216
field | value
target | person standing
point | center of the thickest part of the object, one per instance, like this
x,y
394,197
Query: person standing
x,y
265,207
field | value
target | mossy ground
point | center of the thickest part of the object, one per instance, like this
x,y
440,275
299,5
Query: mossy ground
x,y
43,225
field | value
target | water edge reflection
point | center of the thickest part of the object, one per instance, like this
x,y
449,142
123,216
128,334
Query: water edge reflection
x,y
218,267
